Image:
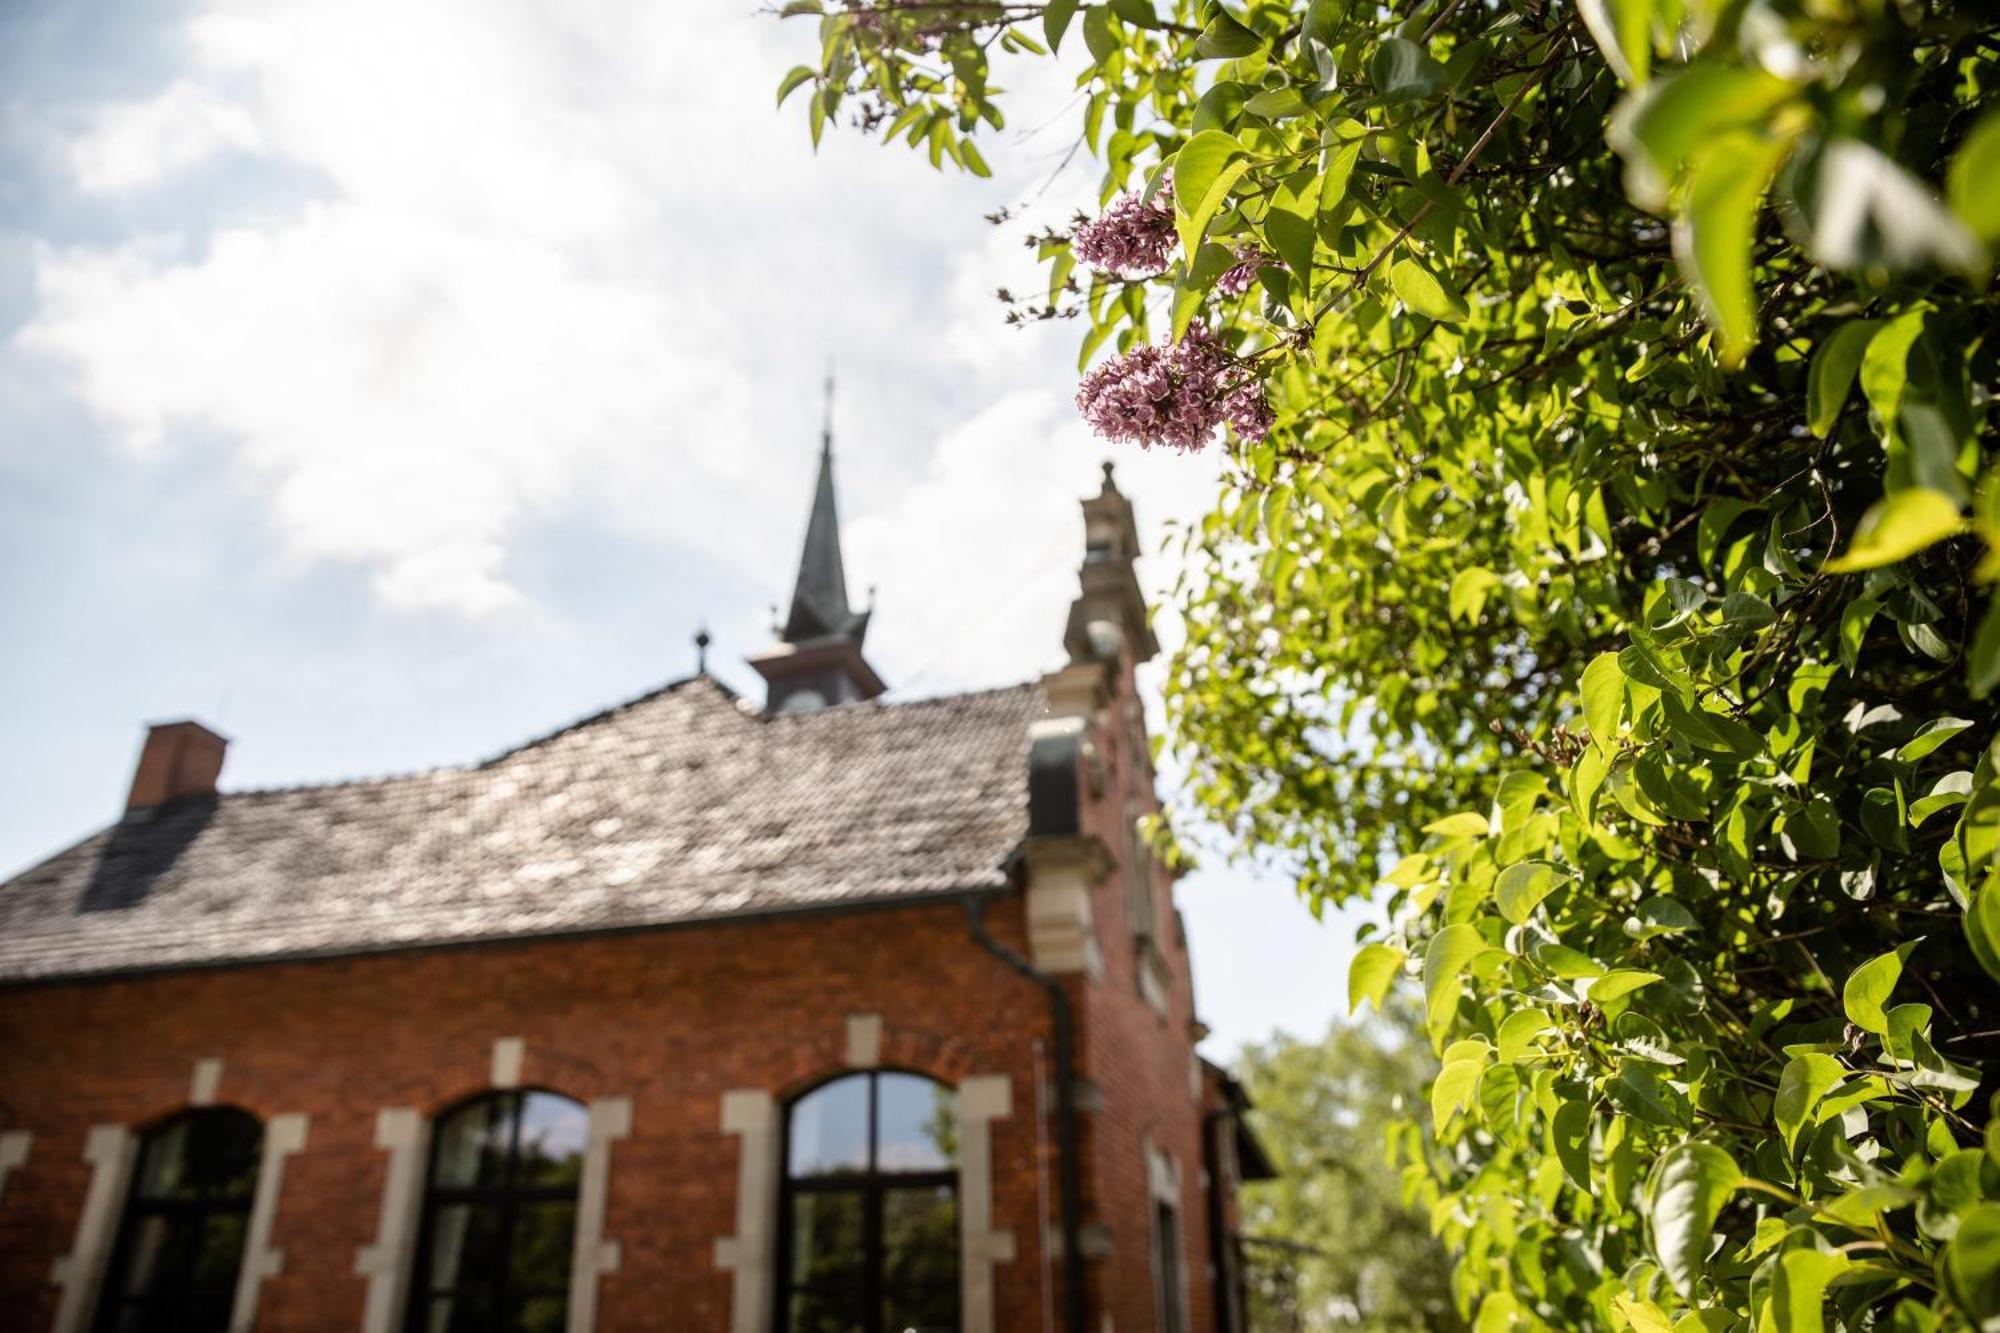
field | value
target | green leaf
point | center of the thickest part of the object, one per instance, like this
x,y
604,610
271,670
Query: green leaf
x,y
1056,17
1622,30
1899,526
1469,588
1456,1081
1521,888
1982,927
1451,949
1683,1199
1798,1289
1970,181
1424,292
1807,1079
1969,1268
1982,666
1516,1038
1658,130
1401,70
1369,976
1617,984
1713,233
1885,366
1931,737
1138,13
1570,1128
1098,35
1869,986
1294,236
1835,363
790,83
1225,39
1603,699
1204,170
1464,824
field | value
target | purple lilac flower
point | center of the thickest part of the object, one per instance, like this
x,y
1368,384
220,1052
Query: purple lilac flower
x,y
1175,394
1237,280
1133,237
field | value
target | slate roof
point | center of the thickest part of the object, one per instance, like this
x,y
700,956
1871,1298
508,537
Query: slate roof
x,y
679,806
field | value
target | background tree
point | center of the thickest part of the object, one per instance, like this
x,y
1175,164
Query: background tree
x,y
1336,1246
1606,545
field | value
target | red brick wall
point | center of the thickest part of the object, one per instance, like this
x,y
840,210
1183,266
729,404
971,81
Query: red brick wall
x,y
670,1019
1140,1060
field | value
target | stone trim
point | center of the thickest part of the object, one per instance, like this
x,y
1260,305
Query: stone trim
x,y
404,1134
205,1082
610,1121
1062,874
751,1254
283,1136
864,1041
507,1056
14,1146
110,1150
981,1100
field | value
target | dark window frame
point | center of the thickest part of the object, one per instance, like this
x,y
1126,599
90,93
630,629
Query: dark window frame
x,y
507,1198
872,1184
113,1304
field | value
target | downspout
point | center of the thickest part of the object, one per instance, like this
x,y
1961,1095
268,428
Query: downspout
x,y
1069,1180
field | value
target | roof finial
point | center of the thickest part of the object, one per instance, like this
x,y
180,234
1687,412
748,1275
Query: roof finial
x,y
826,423
701,642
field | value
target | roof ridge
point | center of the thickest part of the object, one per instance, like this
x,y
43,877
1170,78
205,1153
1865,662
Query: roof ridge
x,y
380,779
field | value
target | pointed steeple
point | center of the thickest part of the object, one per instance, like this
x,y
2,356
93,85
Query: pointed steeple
x,y
817,660
819,598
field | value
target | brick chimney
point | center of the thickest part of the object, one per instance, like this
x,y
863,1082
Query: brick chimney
x,y
180,759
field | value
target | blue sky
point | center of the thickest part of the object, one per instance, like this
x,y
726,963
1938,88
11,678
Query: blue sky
x,y
384,384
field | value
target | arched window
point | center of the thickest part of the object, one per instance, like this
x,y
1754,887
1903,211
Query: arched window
x,y
180,1243
500,1216
870,1241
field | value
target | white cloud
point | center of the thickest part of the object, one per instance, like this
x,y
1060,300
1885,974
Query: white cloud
x,y
137,143
566,260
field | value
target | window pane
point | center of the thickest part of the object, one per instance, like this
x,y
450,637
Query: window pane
x,y
542,1314
919,1238
163,1169
829,1129
459,1314
825,1312
544,1243
473,1143
222,1149
826,1240
916,1129
553,1133
465,1245
155,1247
211,1287
924,1310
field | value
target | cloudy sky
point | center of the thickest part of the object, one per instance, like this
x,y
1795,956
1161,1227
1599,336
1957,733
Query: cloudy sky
x,y
383,384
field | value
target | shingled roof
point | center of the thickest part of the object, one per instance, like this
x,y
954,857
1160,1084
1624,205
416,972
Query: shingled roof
x,y
679,806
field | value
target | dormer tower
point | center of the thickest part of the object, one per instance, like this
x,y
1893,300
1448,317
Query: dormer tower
x,y
817,660
1108,618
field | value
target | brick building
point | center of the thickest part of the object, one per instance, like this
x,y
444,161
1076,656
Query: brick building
x,y
827,1014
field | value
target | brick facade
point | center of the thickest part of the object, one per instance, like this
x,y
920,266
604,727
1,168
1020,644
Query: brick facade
x,y
668,1019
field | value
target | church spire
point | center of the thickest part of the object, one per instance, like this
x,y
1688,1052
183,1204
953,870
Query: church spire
x,y
819,599
817,659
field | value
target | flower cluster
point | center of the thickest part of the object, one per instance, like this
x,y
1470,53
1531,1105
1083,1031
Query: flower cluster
x,y
1133,237
1237,280
1175,395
